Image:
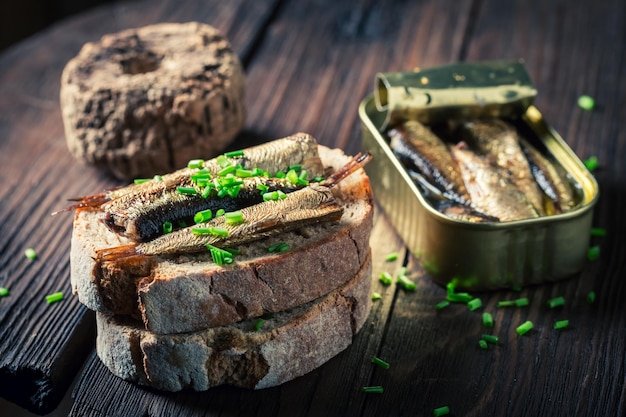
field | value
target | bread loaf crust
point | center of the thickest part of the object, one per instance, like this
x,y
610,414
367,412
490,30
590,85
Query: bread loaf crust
x,y
290,344
189,292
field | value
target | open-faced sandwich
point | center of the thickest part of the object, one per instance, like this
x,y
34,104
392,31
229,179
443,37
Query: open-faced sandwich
x,y
231,270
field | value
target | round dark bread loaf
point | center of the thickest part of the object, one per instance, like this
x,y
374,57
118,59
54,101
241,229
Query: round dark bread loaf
x,y
144,101
287,345
190,292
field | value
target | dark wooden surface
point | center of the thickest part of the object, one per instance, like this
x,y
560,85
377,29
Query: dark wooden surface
x,y
308,65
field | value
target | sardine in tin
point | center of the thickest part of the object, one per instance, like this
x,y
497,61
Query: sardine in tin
x,y
478,256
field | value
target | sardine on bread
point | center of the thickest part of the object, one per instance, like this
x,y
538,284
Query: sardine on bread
x,y
188,292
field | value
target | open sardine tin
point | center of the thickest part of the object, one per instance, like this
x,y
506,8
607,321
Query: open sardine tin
x,y
477,256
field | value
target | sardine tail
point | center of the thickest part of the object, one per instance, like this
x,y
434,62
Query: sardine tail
x,y
92,201
117,253
358,161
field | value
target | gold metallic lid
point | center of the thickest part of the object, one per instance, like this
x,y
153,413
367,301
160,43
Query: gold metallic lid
x,y
431,95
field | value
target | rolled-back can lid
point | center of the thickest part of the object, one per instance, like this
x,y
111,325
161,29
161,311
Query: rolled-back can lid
x,y
431,95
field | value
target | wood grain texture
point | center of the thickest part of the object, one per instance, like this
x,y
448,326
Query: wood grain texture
x,y
309,64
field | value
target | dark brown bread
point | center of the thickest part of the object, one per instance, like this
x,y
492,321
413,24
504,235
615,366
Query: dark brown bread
x,y
287,345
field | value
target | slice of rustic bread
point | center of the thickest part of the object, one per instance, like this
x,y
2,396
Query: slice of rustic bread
x,y
286,345
190,292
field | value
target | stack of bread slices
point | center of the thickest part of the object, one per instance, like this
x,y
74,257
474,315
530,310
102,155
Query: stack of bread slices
x,y
181,321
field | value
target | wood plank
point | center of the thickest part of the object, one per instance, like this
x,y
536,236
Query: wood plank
x,y
45,345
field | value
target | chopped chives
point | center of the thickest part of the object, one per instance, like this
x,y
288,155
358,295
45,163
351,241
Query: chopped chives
x,y
220,212
506,303
271,196
598,231
140,180
207,190
406,283
490,339
187,190
262,187
459,297
244,173
280,174
4,292
258,325
591,297
292,176
377,389
233,217
195,163
220,256
223,161
54,297
391,257
303,176
593,253
524,328
442,304
380,362
233,154
586,102
521,302
295,167
232,251
227,170
385,278
215,231
203,216
487,320
474,304
30,254
157,178
561,324
167,227
441,411
591,163
376,296
483,344
318,179
556,302
278,247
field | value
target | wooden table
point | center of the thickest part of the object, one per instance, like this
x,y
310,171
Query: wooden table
x,y
308,65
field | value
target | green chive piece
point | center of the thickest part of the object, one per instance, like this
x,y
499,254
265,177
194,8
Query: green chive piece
x,y
54,297
591,297
233,154
223,161
195,163
376,296
459,297
296,167
385,278
593,253
380,362
228,170
280,174
475,304
451,286
391,257
561,324
442,304
487,320
556,302
203,216
4,292
244,173
233,217
318,179
406,282
218,231
271,196
524,328
157,178
489,338
262,187
30,254
278,247
187,190
521,302
220,212
586,102
292,176
598,231
140,180
483,344
506,303
167,227
220,256
207,190
258,325
377,389
441,411
198,231
591,163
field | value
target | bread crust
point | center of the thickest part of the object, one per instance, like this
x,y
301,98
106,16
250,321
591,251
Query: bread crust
x,y
290,344
188,293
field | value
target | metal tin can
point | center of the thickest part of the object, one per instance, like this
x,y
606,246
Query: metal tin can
x,y
477,256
